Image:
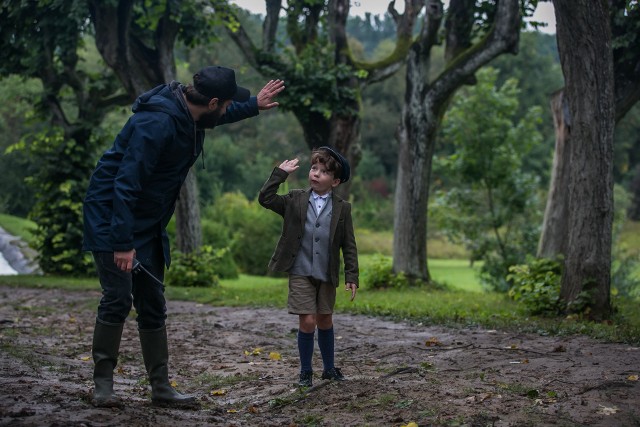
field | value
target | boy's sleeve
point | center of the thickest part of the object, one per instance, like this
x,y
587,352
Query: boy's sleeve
x,y
269,197
350,250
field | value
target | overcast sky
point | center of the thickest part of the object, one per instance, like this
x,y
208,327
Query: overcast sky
x,y
544,12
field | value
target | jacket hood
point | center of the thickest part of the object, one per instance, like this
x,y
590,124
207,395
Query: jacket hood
x,y
161,98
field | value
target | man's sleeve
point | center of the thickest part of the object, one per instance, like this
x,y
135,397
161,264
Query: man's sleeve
x,y
239,111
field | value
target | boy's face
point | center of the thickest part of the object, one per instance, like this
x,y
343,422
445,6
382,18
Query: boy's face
x,y
321,180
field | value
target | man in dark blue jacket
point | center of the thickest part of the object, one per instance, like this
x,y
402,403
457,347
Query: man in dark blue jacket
x,y
130,200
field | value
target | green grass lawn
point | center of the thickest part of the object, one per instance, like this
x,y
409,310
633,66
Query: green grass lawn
x,y
381,242
456,274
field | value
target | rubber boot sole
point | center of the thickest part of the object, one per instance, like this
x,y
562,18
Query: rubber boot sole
x,y
191,404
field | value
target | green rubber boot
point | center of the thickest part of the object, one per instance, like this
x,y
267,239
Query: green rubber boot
x,y
156,358
106,344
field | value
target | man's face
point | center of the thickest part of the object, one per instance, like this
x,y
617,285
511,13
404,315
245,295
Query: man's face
x,y
209,119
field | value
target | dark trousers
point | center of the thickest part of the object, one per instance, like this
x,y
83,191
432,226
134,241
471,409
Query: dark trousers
x,y
121,290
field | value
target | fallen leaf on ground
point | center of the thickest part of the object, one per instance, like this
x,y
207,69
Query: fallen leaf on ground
x,y
275,356
254,352
632,378
219,392
432,341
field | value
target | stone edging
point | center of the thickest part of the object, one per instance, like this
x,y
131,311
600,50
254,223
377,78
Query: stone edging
x,y
18,254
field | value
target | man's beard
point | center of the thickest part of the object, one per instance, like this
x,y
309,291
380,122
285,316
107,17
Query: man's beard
x,y
209,119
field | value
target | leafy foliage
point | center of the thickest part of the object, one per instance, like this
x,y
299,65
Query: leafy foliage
x,y
17,97
60,188
380,275
316,85
202,268
46,40
625,280
488,202
624,272
537,285
250,231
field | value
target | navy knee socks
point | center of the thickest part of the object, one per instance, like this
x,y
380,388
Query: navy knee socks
x,y
305,348
326,344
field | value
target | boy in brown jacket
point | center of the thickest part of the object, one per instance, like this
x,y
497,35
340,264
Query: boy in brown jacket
x,y
317,224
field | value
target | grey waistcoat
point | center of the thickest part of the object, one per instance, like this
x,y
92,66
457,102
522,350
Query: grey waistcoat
x,y
313,256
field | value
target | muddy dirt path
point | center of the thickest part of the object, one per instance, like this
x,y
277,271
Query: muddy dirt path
x,y
242,363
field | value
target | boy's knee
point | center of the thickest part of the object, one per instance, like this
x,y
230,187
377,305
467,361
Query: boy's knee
x,y
307,323
324,321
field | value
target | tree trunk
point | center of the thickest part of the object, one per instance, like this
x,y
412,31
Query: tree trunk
x,y
416,141
584,44
345,137
188,234
553,238
422,114
626,65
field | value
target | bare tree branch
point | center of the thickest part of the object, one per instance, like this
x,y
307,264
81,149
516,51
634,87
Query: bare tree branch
x,y
503,37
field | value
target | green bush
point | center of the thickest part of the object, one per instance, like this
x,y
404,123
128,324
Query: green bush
x,y
379,275
371,209
249,230
624,272
203,268
60,182
537,286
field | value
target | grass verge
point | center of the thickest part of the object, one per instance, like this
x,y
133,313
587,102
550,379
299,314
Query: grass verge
x,y
454,307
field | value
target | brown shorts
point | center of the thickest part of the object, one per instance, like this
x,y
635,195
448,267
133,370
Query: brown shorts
x,y
310,296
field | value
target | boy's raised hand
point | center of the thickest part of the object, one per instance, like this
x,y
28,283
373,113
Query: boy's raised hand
x,y
289,165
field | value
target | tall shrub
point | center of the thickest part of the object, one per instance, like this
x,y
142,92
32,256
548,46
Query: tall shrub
x,y
60,187
488,202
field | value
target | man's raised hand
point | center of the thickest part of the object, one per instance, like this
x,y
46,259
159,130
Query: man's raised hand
x,y
268,93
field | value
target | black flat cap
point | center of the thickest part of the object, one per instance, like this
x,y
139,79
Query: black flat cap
x,y
346,169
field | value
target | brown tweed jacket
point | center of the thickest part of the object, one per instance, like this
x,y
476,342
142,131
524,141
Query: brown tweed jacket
x,y
293,208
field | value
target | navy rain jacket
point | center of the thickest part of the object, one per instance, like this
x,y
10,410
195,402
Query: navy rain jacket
x,y
134,188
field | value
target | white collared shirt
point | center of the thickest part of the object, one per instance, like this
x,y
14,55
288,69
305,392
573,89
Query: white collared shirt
x,y
319,201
